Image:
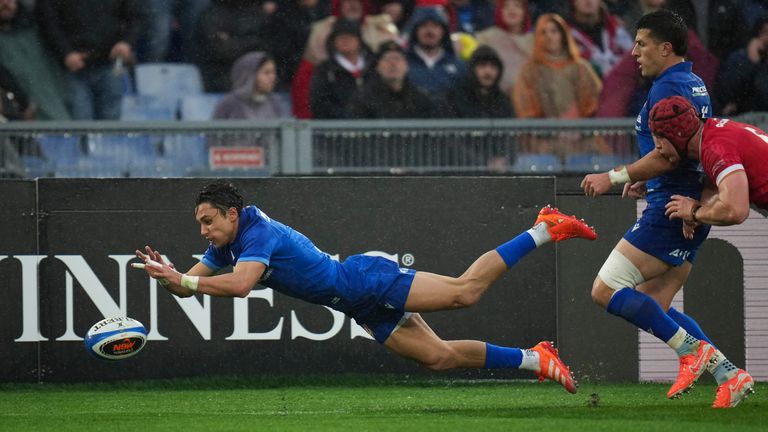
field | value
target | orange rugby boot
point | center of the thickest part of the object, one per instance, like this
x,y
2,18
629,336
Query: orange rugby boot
x,y
563,227
735,390
691,368
551,367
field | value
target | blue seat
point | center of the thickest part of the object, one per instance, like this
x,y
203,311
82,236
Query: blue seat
x,y
37,166
174,80
536,163
148,107
199,107
188,150
121,151
60,150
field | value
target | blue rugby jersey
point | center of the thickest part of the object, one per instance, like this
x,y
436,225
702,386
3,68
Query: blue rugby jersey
x,y
685,179
295,266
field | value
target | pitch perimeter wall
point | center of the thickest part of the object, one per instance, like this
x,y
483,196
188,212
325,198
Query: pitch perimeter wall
x,y
66,245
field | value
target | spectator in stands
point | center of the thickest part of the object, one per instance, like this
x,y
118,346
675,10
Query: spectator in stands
x,y
472,15
479,95
227,29
600,36
165,18
288,35
743,79
253,80
511,38
26,60
374,28
398,10
434,67
94,40
555,82
389,93
336,80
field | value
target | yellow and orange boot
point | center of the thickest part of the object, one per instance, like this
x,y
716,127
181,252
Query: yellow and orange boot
x,y
691,368
563,227
552,367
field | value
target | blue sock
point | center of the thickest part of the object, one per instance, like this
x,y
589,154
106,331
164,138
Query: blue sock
x,y
518,247
689,324
643,311
502,357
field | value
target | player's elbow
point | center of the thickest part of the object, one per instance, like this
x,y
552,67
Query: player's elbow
x,y
736,215
242,289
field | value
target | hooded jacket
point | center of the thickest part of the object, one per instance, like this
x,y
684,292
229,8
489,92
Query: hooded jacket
x,y
469,100
226,30
240,102
333,86
448,71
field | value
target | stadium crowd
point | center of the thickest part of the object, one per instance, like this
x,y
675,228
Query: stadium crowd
x,y
332,59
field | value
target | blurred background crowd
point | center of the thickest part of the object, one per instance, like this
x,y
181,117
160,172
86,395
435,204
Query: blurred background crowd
x,y
347,59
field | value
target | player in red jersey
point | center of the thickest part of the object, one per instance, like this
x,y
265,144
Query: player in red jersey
x,y
734,156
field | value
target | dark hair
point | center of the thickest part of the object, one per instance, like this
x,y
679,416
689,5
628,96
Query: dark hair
x,y
486,54
221,194
665,25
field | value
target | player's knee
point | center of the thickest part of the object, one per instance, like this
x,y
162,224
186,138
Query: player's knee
x,y
617,272
442,360
601,293
469,292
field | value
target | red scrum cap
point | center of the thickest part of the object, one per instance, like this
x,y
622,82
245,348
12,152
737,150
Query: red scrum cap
x,y
675,119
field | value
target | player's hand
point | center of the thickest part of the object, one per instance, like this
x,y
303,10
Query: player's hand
x,y
681,207
595,185
689,230
636,190
157,268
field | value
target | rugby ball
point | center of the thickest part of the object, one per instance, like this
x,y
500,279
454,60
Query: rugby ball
x,y
116,338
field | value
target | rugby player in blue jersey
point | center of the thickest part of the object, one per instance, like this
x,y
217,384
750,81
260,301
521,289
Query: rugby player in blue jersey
x,y
380,296
652,262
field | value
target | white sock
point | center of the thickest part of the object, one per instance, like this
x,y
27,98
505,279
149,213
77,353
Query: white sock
x,y
678,339
530,360
683,343
540,234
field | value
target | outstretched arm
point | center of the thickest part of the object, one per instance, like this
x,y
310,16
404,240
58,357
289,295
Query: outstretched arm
x,y
200,278
730,206
647,167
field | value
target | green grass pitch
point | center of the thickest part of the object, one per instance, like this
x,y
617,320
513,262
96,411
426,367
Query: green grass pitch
x,y
361,403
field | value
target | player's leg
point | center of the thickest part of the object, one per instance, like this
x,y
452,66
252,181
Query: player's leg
x,y
727,375
415,340
432,292
662,289
615,288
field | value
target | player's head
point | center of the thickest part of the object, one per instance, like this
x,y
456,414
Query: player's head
x,y
674,119
661,41
217,210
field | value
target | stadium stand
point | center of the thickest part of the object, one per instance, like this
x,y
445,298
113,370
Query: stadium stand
x,y
199,107
172,80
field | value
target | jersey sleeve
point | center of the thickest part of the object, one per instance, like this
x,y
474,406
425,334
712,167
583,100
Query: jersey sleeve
x,y
214,259
719,160
258,243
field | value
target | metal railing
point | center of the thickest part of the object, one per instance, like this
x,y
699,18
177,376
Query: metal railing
x,y
291,147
